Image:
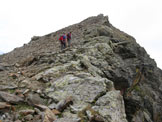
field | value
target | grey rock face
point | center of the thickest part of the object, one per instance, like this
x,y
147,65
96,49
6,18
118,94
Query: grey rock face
x,y
107,105
109,77
4,105
49,116
26,112
10,98
2,68
5,87
71,85
66,120
34,99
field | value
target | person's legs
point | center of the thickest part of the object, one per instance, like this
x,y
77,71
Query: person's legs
x,y
69,42
62,46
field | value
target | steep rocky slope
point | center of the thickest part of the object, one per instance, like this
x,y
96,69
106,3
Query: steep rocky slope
x,y
104,77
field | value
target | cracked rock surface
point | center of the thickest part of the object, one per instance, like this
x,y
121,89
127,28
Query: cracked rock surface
x,y
105,76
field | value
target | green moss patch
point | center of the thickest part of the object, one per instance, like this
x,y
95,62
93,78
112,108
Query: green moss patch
x,y
23,107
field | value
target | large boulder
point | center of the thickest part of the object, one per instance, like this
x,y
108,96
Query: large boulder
x,y
86,89
111,107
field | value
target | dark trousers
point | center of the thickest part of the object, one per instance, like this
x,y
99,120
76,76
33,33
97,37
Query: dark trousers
x,y
69,42
63,45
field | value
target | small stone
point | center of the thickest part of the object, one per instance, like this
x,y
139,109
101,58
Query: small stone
x,y
4,87
26,91
10,98
42,107
4,105
2,68
37,118
67,120
33,99
16,116
26,112
52,106
25,83
17,121
49,116
63,104
21,95
39,91
37,110
17,64
97,118
28,117
56,112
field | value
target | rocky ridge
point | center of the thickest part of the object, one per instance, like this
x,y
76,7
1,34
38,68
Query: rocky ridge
x,y
104,77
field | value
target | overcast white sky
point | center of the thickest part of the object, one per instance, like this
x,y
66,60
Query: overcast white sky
x,y
22,19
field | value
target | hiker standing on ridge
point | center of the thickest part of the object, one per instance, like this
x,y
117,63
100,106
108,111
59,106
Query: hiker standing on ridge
x,y
64,40
69,39
61,42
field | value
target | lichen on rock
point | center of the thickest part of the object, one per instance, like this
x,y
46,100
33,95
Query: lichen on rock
x,y
105,76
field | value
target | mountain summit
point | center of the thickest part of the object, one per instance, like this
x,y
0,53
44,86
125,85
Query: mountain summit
x,y
104,77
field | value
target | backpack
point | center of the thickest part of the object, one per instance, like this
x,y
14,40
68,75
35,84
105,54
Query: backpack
x,y
61,39
64,38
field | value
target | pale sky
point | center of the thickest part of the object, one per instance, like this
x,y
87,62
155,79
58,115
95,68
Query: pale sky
x,y
22,19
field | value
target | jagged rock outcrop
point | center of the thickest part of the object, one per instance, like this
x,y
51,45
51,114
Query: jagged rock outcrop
x,y
104,77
